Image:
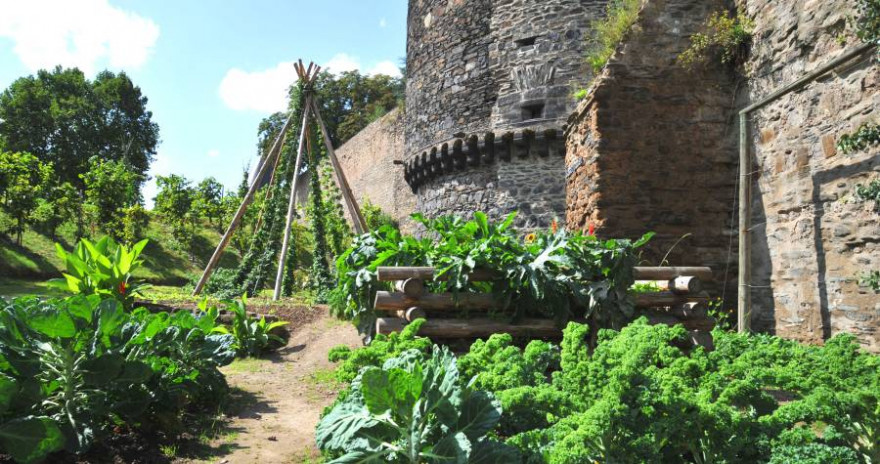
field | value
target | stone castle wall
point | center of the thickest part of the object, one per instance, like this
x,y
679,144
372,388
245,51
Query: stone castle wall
x,y
651,149
499,67
811,238
367,160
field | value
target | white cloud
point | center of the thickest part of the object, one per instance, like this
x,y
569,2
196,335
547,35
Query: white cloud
x,y
86,34
383,22
213,153
385,67
342,62
266,91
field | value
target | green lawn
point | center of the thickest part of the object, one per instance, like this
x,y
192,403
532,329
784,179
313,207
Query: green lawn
x,y
165,263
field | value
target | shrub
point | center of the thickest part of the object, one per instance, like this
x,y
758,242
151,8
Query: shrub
x,y
725,37
621,16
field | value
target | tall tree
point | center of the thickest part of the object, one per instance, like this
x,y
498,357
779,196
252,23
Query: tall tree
x,y
208,201
64,119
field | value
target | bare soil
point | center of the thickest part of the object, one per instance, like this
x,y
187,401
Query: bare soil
x,y
278,400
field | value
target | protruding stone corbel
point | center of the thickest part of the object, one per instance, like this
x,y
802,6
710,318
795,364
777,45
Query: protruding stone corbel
x,y
458,155
473,151
507,146
488,148
446,159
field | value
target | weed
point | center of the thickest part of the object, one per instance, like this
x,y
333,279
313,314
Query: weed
x,y
610,31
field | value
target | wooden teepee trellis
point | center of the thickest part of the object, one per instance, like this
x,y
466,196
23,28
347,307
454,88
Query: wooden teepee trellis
x,y
307,77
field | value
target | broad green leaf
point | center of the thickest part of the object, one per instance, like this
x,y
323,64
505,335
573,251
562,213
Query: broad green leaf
x,y
450,449
103,369
8,390
52,323
342,425
479,414
135,372
31,439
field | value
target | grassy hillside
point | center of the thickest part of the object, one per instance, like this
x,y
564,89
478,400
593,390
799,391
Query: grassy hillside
x,y
165,263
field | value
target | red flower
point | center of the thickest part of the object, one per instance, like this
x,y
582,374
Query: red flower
x,y
554,226
122,288
591,230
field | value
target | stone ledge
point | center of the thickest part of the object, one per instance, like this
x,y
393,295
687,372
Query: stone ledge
x,y
459,154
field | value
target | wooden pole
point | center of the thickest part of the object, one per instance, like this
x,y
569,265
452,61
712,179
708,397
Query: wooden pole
x,y
743,310
291,204
471,328
354,210
224,241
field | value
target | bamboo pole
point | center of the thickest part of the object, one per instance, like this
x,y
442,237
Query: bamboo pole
x,y
354,210
233,225
743,315
291,204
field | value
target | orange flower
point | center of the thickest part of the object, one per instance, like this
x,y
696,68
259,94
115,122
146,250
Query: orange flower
x,y
553,226
591,230
122,288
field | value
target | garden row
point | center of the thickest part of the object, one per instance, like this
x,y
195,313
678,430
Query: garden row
x,y
76,370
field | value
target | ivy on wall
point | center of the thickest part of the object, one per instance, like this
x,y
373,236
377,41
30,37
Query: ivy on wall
x,y
867,20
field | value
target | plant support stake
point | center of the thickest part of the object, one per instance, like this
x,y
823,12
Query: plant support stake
x,y
744,310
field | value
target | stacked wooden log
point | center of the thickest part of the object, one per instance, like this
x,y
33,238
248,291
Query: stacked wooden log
x,y
679,299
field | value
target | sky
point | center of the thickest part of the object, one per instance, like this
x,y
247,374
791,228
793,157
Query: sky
x,y
210,69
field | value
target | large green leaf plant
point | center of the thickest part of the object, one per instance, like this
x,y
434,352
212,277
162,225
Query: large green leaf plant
x,y
413,410
104,268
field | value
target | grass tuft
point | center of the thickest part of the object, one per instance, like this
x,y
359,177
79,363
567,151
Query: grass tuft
x,y
610,31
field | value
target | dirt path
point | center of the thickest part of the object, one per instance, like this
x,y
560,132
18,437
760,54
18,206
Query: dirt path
x,y
280,399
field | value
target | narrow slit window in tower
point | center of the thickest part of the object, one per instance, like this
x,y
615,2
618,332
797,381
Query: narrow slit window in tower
x,y
526,41
532,111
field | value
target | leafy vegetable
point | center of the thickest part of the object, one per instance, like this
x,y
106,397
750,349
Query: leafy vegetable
x,y
551,274
252,336
413,411
70,368
102,268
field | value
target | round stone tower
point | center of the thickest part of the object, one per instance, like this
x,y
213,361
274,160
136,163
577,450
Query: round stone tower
x,y
489,89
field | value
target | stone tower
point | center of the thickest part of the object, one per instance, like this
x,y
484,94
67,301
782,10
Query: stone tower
x,y
489,88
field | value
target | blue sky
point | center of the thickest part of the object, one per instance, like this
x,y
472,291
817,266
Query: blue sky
x,y
211,69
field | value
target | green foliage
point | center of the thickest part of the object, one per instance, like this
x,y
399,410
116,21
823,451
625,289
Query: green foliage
x,y
870,192
208,202
72,369
871,279
23,180
221,284
865,136
134,223
413,410
175,203
253,336
319,277
111,188
868,20
103,268
608,32
375,217
382,348
559,275
64,119
57,205
725,37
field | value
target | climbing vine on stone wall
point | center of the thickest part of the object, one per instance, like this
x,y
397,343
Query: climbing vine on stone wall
x,y
867,20
865,136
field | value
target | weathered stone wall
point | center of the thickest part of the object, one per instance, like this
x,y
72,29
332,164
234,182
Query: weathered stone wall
x,y
650,148
481,66
811,238
367,160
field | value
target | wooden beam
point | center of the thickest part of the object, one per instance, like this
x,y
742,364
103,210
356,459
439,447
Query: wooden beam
x,y
412,288
653,300
435,301
666,272
392,273
473,328
680,285
233,225
354,210
291,203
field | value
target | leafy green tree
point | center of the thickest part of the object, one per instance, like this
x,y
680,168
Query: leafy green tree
x,y
59,204
174,201
208,201
110,188
23,179
64,119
